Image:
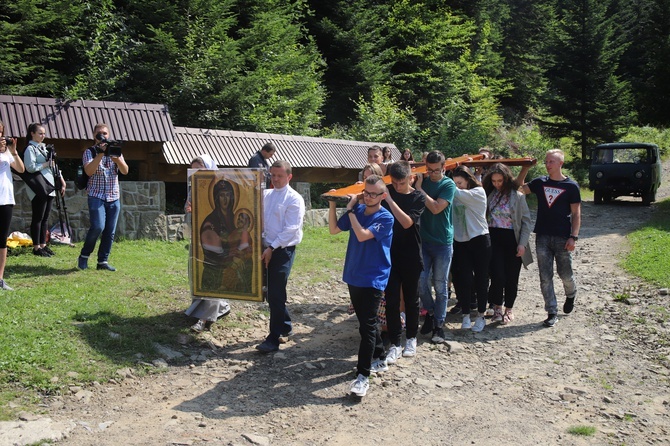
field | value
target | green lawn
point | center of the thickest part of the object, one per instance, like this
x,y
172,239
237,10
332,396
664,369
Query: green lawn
x,y
60,320
650,248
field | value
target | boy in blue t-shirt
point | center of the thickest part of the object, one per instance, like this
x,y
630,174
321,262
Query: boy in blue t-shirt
x,y
367,266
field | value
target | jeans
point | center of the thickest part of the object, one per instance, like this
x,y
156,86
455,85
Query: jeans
x,y
436,260
366,304
278,271
549,248
103,215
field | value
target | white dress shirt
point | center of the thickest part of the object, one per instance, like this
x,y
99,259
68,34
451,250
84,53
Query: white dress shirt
x,y
283,215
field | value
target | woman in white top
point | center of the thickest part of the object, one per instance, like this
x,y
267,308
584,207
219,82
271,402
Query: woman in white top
x,y
472,246
9,159
207,311
510,227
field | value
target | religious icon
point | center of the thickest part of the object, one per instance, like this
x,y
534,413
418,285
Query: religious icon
x,y
226,234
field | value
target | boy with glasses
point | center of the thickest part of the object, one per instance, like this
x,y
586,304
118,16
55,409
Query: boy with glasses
x,y
437,237
366,271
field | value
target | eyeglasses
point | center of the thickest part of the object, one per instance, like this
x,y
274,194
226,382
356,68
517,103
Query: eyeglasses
x,y
431,171
372,194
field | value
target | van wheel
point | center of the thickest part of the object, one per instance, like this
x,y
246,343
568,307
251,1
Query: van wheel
x,y
597,196
648,198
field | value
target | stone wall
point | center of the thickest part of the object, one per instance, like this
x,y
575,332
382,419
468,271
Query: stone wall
x,y
142,210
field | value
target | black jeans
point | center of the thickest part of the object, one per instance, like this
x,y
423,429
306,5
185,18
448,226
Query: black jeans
x,y
366,304
278,271
403,277
471,260
505,267
40,221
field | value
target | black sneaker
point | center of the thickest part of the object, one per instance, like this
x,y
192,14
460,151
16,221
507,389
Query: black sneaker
x,y
48,251
568,305
438,336
456,309
40,252
427,325
551,320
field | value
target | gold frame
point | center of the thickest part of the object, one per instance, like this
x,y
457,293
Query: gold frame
x,y
226,234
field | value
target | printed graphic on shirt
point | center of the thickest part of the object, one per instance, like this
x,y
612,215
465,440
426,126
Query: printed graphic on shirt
x,y
377,227
551,194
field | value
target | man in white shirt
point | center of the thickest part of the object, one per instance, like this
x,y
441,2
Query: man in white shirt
x,y
283,215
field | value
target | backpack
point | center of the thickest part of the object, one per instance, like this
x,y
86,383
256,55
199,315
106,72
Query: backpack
x,y
81,181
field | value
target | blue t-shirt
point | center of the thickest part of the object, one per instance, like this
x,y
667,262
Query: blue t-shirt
x,y
438,229
553,205
368,264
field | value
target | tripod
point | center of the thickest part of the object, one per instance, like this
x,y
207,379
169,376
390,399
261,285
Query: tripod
x,y
60,203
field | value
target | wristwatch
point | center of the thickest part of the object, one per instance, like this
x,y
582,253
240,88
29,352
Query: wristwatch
x,y
349,211
574,237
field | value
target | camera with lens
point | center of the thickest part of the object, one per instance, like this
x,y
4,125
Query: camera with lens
x,y
113,147
51,152
8,140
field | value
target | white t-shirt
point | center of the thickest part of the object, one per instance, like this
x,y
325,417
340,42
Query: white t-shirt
x,y
6,183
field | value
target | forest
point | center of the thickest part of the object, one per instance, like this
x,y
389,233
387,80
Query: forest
x,y
452,75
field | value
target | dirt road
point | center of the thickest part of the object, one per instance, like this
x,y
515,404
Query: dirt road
x,y
605,365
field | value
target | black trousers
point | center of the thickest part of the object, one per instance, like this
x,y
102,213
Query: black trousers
x,y
366,304
471,262
505,267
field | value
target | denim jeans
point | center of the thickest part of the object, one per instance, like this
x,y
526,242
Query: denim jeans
x,y
277,274
436,260
103,215
549,248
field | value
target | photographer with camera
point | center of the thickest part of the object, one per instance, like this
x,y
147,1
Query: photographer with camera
x,y
38,159
102,163
9,159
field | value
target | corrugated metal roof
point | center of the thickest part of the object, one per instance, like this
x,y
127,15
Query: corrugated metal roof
x,y
230,148
66,119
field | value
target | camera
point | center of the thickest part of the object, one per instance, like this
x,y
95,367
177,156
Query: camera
x,y
8,140
113,147
51,152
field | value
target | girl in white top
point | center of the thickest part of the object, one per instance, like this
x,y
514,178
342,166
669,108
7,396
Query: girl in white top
x,y
472,246
9,159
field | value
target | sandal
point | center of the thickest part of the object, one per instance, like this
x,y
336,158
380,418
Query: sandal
x,y
507,317
497,314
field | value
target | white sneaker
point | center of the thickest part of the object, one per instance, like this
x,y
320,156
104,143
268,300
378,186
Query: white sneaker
x,y
360,385
466,324
4,286
394,353
410,348
479,324
379,366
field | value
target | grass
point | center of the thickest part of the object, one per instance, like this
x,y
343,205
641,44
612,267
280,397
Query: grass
x,y
60,320
585,431
650,248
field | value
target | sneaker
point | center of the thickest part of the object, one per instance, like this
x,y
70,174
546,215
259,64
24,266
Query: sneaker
x,y
568,305
82,262
394,353
48,251
379,366
427,325
456,309
551,320
466,324
479,324
40,253
267,347
360,385
410,348
438,336
507,317
497,314
198,327
4,286
490,312
105,266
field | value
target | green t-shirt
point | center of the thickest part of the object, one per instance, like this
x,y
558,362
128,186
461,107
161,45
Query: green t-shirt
x,y
437,229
